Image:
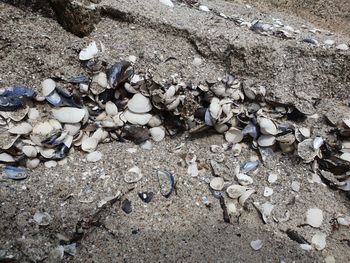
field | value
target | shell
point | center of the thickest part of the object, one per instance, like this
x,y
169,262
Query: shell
x,y
48,86
111,109
234,135
244,179
319,241
345,156
314,217
215,108
306,150
88,52
6,158
157,133
30,151
133,175
286,142
265,210
72,129
21,129
235,191
137,118
266,140
268,191
256,244
267,126
155,121
139,104
217,183
32,163
69,114
89,144
244,197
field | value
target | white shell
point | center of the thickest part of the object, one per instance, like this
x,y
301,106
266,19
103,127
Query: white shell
x,y
306,150
139,104
244,179
50,164
268,191
345,156
319,241
111,109
22,128
147,145
47,153
30,151
317,143
305,132
235,191
221,128
234,135
167,3
6,158
343,47
72,129
89,144
32,163
133,175
155,121
48,86
244,197
217,183
215,108
157,133
43,219
101,79
204,8
314,217
256,244
33,114
265,210
88,52
94,156
295,186
266,140
69,114
137,118
267,126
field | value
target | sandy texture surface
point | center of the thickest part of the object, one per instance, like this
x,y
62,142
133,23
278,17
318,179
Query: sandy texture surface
x,y
181,228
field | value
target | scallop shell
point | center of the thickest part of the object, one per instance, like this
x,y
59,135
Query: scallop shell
x,y
234,135
69,114
157,133
267,126
137,118
139,104
217,183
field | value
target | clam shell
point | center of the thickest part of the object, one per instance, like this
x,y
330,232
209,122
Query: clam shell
x,y
266,140
137,118
6,158
345,156
244,179
30,151
89,144
111,109
69,114
235,191
139,104
88,52
217,183
32,163
256,244
50,164
21,129
18,114
215,108
43,128
48,86
72,129
267,126
7,140
133,175
47,153
234,135
157,133
33,114
221,128
286,142
319,241
306,150
314,217
155,121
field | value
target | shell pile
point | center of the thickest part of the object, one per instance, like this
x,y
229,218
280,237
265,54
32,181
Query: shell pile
x,y
116,103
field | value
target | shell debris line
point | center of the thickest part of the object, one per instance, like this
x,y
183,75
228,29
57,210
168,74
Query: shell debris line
x,y
113,102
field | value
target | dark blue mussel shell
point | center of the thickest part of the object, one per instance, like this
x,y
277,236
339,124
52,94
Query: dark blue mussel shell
x,y
13,98
119,73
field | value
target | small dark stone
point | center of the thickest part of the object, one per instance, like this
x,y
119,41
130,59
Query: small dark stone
x,y
146,196
126,206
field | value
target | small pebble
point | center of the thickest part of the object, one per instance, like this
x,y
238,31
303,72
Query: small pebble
x,y
314,217
268,191
197,61
295,186
319,241
272,178
204,8
329,42
329,259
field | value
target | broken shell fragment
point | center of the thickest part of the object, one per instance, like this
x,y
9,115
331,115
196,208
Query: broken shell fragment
x,y
244,179
89,144
244,197
319,241
314,217
69,114
265,210
94,156
217,183
306,150
133,175
88,52
30,151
